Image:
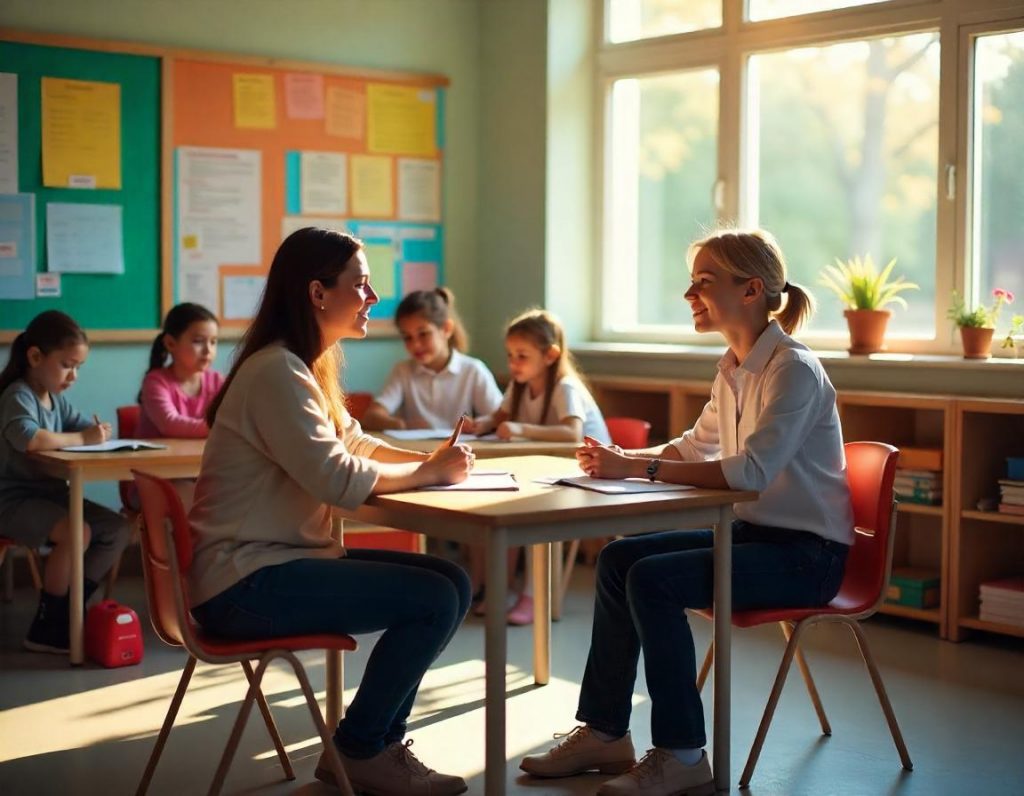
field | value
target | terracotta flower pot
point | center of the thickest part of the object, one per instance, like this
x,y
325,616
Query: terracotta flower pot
x,y
867,330
977,341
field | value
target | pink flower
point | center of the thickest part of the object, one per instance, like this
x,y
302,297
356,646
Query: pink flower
x,y
1005,295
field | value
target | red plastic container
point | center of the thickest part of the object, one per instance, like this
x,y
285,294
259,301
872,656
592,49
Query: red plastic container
x,y
113,635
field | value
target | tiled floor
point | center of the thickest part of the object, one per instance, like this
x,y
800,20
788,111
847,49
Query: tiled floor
x,y
90,730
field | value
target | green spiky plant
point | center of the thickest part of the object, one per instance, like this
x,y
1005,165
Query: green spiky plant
x,y
861,286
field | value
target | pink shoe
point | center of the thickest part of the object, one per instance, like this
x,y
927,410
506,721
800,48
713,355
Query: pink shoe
x,y
522,612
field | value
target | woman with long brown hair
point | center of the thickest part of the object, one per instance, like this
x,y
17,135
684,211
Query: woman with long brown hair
x,y
282,452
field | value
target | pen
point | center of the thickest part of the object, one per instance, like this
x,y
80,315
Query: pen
x,y
458,430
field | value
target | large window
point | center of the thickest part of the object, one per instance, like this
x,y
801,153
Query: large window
x,y
830,133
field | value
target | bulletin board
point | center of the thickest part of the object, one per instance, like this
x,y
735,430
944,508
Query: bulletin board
x,y
129,279
255,149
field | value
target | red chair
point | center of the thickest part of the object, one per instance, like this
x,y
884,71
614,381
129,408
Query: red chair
x,y
870,470
357,403
166,559
628,432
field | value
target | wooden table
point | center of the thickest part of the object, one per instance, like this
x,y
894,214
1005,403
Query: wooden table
x,y
486,448
538,515
180,459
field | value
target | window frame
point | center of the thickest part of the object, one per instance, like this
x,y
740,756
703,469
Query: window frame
x,y
727,48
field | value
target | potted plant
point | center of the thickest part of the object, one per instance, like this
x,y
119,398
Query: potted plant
x,y
865,291
978,325
1013,344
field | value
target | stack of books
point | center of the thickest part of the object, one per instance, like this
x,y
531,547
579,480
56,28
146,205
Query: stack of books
x,y
1011,496
919,476
1002,601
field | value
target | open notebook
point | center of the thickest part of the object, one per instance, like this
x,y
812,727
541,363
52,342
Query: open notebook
x,y
115,445
610,486
481,481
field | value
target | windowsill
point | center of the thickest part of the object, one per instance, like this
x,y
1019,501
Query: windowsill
x,y
695,353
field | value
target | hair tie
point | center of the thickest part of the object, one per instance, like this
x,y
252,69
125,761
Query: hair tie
x,y
785,288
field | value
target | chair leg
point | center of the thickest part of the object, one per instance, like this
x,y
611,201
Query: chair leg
x,y
33,569
165,730
805,670
333,758
268,719
883,697
705,667
773,701
239,727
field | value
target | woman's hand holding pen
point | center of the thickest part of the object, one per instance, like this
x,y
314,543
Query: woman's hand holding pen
x,y
604,461
450,462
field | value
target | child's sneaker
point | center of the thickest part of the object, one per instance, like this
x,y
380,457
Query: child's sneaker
x,y
522,612
49,630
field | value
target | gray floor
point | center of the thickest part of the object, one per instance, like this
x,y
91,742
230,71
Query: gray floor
x,y
90,730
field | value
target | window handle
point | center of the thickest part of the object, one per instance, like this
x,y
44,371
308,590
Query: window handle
x,y
950,181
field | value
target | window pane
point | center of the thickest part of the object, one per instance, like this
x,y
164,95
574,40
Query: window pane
x,y
664,162
773,9
845,153
642,19
998,239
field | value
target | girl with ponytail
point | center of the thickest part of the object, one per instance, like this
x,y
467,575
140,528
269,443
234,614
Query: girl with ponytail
x,y
438,383
771,426
180,384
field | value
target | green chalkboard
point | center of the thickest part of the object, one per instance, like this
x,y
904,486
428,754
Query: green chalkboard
x,y
97,301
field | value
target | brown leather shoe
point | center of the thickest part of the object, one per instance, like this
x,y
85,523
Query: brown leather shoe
x,y
581,751
661,774
394,772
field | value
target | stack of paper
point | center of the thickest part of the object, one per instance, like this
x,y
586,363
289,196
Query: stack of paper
x,y
1002,601
115,445
481,481
614,486
1011,496
918,486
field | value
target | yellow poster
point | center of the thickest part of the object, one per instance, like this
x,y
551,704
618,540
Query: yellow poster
x,y
381,259
81,134
255,107
373,193
402,120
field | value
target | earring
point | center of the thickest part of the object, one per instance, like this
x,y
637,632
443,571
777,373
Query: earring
x,y
321,308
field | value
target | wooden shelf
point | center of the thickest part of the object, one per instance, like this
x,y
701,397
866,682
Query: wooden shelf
x,y
993,516
975,623
922,614
919,508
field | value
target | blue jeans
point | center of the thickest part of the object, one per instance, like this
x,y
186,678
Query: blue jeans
x,y
643,585
419,601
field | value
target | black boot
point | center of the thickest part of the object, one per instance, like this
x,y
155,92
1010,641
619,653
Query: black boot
x,y
49,630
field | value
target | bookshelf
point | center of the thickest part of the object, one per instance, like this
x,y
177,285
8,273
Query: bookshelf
x,y
984,545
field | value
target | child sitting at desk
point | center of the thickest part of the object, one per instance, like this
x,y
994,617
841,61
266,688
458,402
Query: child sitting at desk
x,y
35,416
545,400
439,383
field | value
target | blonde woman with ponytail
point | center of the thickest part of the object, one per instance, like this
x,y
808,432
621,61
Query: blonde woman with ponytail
x,y
771,426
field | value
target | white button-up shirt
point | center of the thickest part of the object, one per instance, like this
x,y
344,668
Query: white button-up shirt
x,y
772,421
423,397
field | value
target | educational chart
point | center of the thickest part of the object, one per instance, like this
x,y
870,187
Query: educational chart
x,y
261,151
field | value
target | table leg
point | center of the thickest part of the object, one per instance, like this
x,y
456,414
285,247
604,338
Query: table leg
x,y
76,607
542,602
495,657
335,675
722,631
557,557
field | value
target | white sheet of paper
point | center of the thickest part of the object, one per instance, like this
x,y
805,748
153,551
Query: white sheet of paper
x,y
410,434
481,481
115,445
324,183
242,296
612,486
8,133
219,196
419,190
84,238
198,282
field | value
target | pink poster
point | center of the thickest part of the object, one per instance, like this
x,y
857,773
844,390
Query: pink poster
x,y
418,276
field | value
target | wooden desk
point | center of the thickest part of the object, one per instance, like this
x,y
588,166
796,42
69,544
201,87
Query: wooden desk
x,y
180,459
487,449
538,515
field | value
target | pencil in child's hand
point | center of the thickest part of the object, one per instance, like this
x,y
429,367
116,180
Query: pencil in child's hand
x,y
458,430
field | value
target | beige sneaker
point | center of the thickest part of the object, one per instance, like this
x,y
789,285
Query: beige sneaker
x,y
394,772
581,751
660,773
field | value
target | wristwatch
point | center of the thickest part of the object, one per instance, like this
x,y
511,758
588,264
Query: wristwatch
x,y
652,468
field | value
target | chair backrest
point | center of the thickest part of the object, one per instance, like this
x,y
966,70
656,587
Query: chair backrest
x,y
127,427
358,403
628,432
166,538
870,472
